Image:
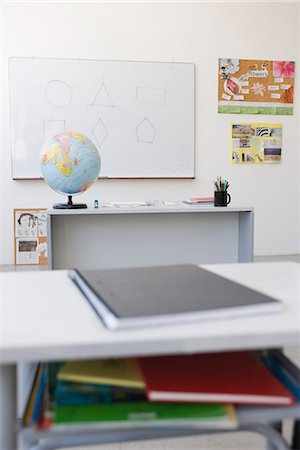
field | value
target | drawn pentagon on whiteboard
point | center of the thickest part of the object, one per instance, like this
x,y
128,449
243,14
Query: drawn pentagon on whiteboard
x,y
58,93
145,131
99,133
102,97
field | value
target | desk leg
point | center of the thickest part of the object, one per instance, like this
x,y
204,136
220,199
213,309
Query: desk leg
x,y
246,236
8,407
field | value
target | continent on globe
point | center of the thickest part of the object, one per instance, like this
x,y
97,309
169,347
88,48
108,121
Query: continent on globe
x,y
70,163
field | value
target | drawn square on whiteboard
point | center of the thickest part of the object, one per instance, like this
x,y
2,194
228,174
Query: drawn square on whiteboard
x,y
53,127
140,115
156,96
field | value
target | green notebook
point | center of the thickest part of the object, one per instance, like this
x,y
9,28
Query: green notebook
x,y
211,414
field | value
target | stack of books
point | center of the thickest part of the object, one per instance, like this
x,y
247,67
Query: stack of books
x,y
123,397
198,390
205,201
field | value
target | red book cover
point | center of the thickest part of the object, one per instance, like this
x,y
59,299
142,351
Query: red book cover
x,y
237,377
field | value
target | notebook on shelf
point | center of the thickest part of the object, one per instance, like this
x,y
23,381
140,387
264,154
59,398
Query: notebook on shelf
x,y
285,371
234,377
151,296
124,372
149,414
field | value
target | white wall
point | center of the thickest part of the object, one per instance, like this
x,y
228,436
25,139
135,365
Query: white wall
x,y
192,32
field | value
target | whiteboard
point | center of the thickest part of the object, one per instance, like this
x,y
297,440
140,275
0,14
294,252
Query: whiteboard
x,y
140,115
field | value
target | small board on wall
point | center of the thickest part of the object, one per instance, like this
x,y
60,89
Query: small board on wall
x,y
250,86
256,143
30,236
140,115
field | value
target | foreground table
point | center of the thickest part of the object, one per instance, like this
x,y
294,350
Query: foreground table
x,y
45,318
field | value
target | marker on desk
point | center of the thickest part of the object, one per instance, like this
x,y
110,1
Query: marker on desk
x,y
221,185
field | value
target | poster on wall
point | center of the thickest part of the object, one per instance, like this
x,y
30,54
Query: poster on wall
x,y
256,143
250,86
30,236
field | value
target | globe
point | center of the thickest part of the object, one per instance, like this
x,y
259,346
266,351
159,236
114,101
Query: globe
x,y
70,163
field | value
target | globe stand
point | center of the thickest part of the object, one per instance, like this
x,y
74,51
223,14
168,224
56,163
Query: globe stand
x,y
69,205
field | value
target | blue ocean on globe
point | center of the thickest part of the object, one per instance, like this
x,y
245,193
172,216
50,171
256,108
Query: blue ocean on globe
x,y
70,162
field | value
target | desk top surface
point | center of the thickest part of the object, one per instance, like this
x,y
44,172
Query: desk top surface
x,y
45,317
162,209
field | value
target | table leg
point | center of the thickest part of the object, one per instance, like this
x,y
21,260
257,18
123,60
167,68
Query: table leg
x,y
8,407
296,436
278,427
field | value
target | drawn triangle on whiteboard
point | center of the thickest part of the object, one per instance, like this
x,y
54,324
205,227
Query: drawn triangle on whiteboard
x,y
102,97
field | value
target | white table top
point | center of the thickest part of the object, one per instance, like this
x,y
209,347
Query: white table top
x,y
45,317
162,209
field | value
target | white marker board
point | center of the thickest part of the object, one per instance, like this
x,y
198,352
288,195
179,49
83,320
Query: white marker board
x,y
140,115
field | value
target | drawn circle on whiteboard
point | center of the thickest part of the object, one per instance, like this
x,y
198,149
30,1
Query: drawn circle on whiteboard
x,y
58,93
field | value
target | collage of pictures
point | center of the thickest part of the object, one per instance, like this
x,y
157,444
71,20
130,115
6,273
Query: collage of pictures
x,y
30,226
256,143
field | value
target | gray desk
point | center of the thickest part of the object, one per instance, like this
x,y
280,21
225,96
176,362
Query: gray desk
x,y
46,318
145,236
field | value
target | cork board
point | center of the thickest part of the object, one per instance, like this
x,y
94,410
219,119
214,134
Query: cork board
x,y
256,86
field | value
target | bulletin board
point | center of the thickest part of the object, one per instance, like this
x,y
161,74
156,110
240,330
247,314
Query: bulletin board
x,y
140,115
256,86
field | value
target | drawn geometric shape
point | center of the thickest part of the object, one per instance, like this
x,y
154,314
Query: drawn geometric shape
x,y
58,93
102,97
52,127
100,133
155,96
145,131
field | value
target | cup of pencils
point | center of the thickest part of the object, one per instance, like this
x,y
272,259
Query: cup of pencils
x,y
221,197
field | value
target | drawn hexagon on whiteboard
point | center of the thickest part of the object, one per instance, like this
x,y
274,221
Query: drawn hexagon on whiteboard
x,y
102,97
145,131
100,133
59,93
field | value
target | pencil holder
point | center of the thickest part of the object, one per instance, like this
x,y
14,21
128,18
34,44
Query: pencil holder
x,y
222,198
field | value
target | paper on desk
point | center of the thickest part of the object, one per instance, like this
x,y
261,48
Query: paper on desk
x,y
141,203
124,204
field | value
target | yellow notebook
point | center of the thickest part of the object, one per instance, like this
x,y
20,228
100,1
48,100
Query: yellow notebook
x,y
115,372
